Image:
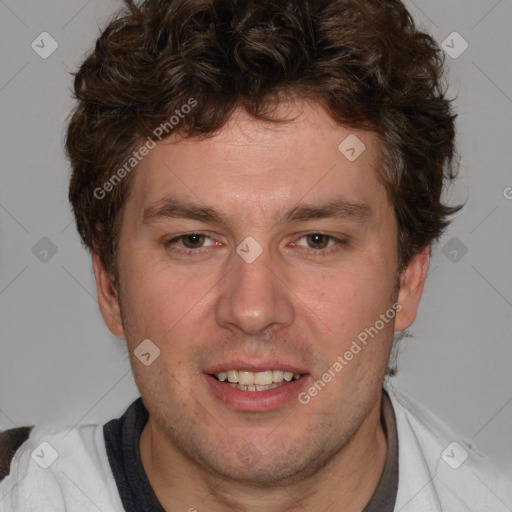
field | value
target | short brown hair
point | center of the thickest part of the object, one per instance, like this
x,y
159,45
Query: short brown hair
x,y
364,61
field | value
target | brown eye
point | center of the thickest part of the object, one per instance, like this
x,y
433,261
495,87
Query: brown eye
x,y
190,244
318,244
193,241
318,240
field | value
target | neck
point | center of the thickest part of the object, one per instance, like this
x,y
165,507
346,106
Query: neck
x,y
346,483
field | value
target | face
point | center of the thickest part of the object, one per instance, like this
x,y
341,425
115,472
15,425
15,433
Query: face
x,y
260,251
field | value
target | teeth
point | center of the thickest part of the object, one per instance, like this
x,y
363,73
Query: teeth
x,y
263,378
246,378
249,380
277,376
253,388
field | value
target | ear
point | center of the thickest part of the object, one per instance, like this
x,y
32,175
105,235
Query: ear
x,y
107,298
412,280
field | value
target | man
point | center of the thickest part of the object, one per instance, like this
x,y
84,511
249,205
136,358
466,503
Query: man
x,y
259,185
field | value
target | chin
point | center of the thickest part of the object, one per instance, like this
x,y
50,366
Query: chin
x,y
264,464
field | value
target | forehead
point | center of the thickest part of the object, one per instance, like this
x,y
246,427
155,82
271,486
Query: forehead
x,y
258,168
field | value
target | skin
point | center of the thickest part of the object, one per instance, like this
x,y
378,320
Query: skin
x,y
296,302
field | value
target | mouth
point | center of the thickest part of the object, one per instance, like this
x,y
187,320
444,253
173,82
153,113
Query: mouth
x,y
256,391
256,381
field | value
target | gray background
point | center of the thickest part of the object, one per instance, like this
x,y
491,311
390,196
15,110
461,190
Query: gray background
x,y
58,362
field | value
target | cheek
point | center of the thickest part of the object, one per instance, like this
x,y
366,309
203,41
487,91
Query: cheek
x,y
349,300
155,304
172,309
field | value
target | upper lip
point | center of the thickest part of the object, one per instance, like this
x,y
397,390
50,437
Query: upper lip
x,y
261,366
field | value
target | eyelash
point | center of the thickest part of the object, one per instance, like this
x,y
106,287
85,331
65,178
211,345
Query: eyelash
x,y
338,243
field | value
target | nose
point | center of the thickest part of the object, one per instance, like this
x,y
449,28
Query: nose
x,y
254,297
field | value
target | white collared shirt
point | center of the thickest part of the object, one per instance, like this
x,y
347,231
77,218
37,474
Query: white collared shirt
x,y
438,471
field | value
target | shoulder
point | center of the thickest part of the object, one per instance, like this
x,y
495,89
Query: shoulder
x,y
59,468
10,441
439,469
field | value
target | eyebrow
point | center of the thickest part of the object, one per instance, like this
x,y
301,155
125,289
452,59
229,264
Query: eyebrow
x,y
337,209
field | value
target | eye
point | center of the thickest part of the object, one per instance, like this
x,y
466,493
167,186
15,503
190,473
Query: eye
x,y
319,241
193,240
190,242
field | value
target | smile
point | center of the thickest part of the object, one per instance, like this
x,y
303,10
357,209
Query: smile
x,y
258,391
256,381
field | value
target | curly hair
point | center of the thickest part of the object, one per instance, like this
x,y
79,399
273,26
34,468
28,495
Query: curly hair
x,y
364,61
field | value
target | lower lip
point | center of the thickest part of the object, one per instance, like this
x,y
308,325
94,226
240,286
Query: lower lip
x,y
256,401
